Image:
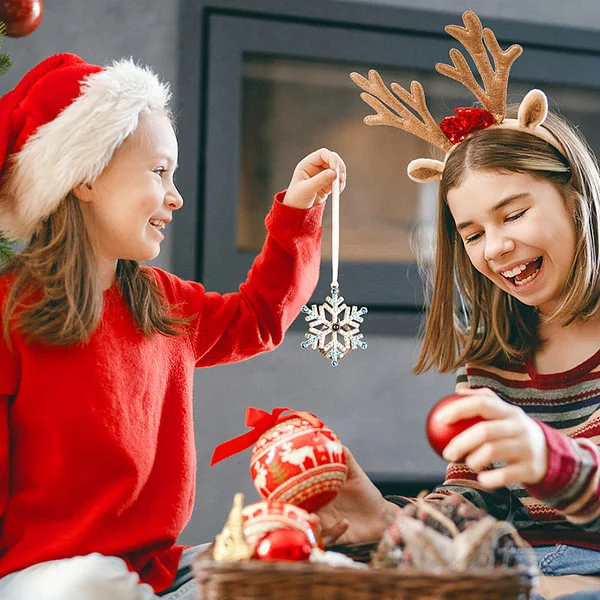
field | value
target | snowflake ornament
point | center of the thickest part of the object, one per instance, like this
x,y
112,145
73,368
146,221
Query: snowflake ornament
x,y
334,327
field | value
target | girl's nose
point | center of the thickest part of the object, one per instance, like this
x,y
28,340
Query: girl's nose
x,y
174,199
497,245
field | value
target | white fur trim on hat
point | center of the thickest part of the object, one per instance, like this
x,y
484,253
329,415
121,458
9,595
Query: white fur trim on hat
x,y
76,146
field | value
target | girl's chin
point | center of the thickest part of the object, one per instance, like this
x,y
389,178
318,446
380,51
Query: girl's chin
x,y
151,256
149,253
525,302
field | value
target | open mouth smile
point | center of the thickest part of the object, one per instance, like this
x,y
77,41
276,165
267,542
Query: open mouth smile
x,y
158,223
523,273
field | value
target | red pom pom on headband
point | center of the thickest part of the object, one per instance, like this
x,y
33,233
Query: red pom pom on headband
x,y
466,121
407,109
60,126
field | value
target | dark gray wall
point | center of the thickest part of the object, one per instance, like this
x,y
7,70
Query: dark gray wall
x,y
372,401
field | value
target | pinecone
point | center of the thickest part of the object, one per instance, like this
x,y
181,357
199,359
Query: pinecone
x,y
447,532
448,514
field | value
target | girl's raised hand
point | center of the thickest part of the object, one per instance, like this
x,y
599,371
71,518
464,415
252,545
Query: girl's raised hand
x,y
313,178
507,435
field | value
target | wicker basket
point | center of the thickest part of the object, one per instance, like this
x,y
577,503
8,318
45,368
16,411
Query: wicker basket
x,y
254,580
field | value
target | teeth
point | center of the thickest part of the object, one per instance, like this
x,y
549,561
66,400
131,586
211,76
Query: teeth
x,y
527,279
157,223
516,270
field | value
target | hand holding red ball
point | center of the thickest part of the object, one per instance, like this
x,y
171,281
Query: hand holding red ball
x,y
510,439
21,17
440,434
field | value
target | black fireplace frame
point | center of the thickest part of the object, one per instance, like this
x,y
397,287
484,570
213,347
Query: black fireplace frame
x,y
204,245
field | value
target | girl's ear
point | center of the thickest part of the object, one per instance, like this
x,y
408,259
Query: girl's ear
x,y
83,192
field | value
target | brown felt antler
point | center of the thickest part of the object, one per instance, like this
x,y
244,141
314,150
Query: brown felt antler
x,y
392,112
408,110
477,42
393,108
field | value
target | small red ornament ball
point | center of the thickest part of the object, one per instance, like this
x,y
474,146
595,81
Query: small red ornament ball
x,y
440,434
300,463
283,544
21,17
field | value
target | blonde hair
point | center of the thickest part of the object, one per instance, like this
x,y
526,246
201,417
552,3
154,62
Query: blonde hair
x,y
469,319
56,297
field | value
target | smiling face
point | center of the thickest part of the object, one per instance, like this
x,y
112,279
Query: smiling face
x,y
517,232
126,208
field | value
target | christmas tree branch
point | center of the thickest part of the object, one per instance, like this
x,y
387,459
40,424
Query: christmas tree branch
x,y
6,250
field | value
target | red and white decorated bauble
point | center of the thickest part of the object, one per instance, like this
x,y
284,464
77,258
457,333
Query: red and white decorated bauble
x,y
260,518
300,463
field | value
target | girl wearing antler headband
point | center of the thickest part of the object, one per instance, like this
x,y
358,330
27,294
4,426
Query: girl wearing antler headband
x,y
515,308
97,353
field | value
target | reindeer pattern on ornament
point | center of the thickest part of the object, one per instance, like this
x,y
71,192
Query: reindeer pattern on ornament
x,y
260,474
297,456
334,450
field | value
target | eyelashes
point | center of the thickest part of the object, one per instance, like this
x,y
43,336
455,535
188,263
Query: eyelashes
x,y
508,219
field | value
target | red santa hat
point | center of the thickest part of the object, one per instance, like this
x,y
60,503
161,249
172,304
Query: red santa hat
x,y
60,126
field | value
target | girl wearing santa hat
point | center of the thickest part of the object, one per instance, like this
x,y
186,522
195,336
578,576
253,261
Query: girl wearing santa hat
x,y
97,353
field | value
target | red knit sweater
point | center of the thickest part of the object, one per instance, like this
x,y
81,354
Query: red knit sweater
x,y
97,448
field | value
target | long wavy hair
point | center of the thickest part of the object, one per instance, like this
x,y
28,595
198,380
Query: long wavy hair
x,y
469,319
56,297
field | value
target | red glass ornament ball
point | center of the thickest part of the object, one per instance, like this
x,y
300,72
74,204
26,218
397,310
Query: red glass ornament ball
x,y
283,544
440,434
21,17
300,463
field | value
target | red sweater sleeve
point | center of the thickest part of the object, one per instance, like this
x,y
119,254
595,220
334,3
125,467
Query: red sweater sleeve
x,y
235,326
572,481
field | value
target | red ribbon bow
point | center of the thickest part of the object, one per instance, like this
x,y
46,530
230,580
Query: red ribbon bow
x,y
467,120
261,421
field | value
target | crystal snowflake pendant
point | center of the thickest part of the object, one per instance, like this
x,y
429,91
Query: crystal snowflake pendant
x,y
334,327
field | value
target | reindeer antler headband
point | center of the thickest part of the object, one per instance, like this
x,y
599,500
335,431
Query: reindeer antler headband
x,y
392,107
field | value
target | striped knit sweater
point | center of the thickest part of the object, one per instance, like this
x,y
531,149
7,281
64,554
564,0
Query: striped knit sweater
x,y
565,506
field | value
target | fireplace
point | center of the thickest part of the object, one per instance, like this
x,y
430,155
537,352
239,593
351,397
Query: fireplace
x,y
263,83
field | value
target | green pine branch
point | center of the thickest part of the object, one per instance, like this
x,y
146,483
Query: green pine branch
x,y
5,59
6,249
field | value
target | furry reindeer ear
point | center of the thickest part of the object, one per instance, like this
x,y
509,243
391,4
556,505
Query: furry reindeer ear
x,y
423,170
533,109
